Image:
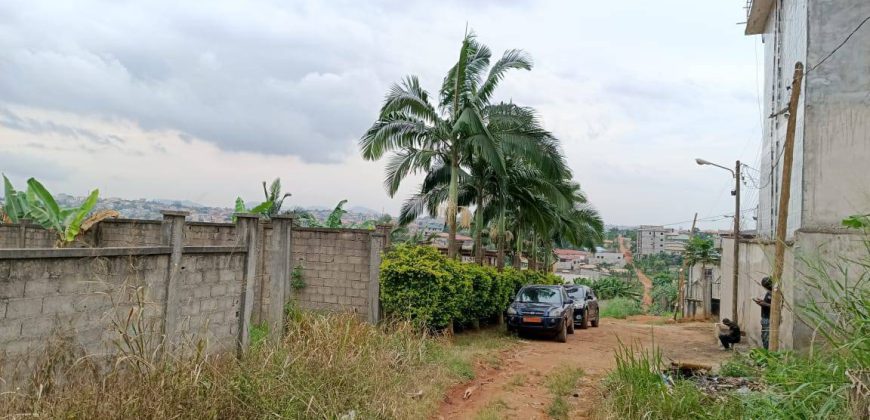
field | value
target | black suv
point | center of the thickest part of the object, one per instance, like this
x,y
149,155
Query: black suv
x,y
585,306
542,308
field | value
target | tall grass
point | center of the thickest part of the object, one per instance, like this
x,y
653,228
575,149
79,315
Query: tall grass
x,y
814,384
620,308
636,389
327,366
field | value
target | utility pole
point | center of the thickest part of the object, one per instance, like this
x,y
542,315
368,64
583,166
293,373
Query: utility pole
x,y
736,242
682,293
782,214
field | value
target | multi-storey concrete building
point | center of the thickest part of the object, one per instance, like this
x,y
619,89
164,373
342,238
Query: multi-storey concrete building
x,y
831,152
651,239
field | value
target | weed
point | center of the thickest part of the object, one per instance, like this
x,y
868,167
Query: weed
x,y
258,333
493,411
560,385
516,381
620,308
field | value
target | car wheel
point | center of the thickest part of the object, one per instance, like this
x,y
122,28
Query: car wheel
x,y
570,324
595,321
562,337
585,324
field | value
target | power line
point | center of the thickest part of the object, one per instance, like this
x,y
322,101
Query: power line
x,y
710,218
838,46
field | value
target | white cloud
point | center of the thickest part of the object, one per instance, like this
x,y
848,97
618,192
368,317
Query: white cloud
x,y
204,100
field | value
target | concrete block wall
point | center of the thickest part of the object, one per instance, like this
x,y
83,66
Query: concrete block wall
x,y
79,298
209,296
335,268
194,281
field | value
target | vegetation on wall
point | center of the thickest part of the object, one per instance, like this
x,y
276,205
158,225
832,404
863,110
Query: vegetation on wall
x,y
38,204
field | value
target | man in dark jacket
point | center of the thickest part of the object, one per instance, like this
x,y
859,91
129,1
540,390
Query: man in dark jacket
x,y
764,302
729,333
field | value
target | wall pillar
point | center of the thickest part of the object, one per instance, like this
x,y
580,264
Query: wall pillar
x,y
247,230
22,232
173,236
385,230
282,250
378,242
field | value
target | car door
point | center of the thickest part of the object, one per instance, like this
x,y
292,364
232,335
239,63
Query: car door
x,y
567,305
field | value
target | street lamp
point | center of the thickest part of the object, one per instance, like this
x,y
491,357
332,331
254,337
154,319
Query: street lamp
x,y
736,193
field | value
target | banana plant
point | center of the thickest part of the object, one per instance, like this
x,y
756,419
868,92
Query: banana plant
x,y
39,205
262,208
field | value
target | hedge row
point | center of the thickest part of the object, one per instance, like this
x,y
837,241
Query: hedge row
x,y
420,284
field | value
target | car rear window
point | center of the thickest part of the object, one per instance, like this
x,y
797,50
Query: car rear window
x,y
540,295
577,293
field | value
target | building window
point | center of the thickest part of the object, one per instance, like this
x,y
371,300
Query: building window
x,y
708,274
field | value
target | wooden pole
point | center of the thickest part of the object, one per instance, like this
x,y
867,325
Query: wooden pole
x,y
736,264
784,198
682,293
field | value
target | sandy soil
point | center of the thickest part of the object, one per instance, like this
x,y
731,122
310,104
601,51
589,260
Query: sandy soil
x,y
520,380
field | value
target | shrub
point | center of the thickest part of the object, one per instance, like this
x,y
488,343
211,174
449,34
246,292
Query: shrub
x,y
420,284
620,308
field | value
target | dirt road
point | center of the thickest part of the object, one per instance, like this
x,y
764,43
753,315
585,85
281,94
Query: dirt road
x,y
517,385
644,280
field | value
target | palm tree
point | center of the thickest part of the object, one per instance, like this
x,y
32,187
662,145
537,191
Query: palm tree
x,y
701,250
424,138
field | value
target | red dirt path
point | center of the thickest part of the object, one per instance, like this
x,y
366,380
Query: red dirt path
x,y
647,283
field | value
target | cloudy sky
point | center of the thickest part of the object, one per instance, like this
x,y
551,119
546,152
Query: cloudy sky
x,y
203,100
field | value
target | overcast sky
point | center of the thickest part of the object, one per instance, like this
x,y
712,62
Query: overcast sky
x,y
202,101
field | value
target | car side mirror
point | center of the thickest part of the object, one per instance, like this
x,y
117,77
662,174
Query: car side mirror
x,y
569,302
589,298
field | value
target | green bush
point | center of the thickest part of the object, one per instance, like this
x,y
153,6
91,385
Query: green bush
x,y
620,308
420,284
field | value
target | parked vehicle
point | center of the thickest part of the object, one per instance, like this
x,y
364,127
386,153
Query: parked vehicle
x,y
540,308
585,306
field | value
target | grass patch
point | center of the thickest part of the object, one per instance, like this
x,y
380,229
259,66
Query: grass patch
x,y
517,381
326,366
620,308
561,384
493,411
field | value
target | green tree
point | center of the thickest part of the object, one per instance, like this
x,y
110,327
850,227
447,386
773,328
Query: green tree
x,y
701,250
425,138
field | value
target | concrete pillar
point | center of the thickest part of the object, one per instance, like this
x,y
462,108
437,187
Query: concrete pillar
x,y
22,232
385,229
282,250
374,298
247,230
173,236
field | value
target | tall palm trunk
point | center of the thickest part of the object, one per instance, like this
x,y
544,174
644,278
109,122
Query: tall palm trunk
x,y
452,200
501,241
478,226
518,252
533,258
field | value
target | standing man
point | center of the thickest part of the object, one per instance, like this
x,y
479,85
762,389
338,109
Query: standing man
x,y
765,311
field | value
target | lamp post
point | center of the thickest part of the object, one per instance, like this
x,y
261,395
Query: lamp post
x,y
736,193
